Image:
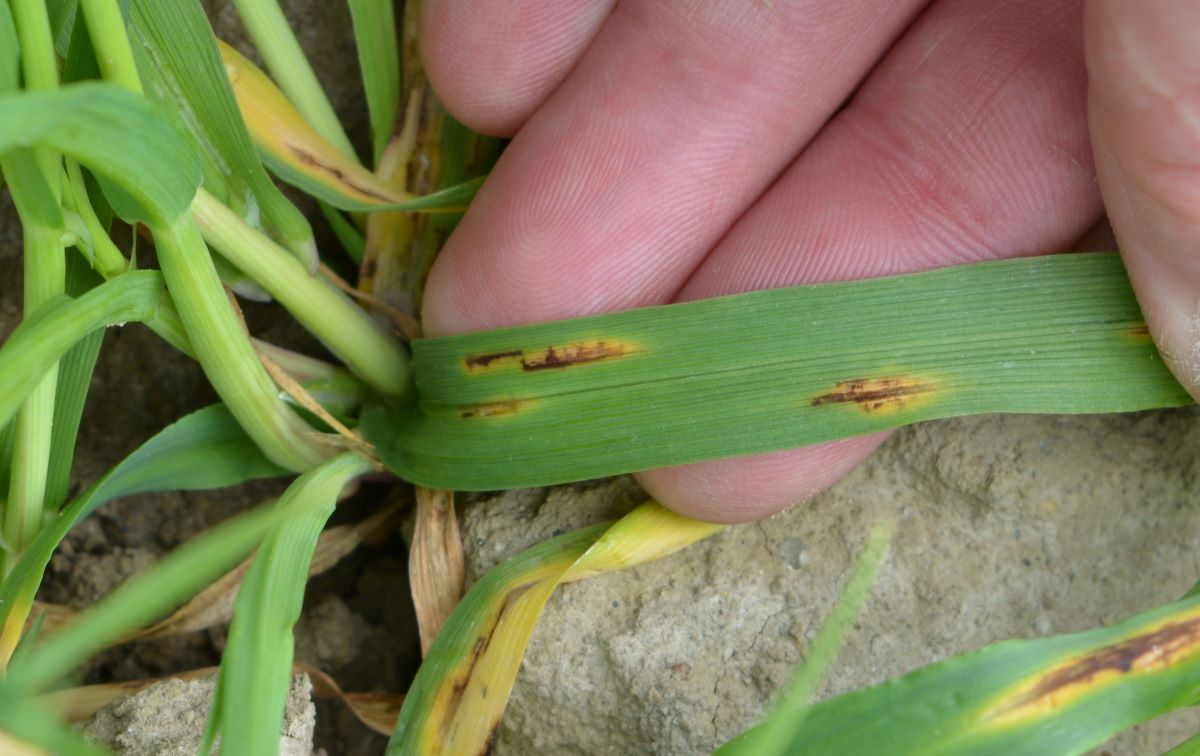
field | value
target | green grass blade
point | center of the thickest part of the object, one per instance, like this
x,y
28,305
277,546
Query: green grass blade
x,y
325,310
74,378
223,348
379,60
1189,747
475,617
268,27
1061,695
62,23
256,669
117,134
31,723
6,446
41,340
177,577
10,51
769,370
776,735
178,60
206,449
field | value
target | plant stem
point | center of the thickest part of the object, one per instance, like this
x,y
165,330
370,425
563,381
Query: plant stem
x,y
218,339
221,344
273,37
45,279
330,315
106,28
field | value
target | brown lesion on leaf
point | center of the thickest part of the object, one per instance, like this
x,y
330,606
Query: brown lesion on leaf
x,y
312,161
461,679
505,408
1155,649
483,361
550,358
1139,332
872,395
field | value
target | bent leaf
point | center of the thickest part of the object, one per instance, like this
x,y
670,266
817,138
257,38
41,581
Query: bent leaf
x,y
206,449
42,339
256,669
1064,694
117,134
178,61
456,701
303,158
769,370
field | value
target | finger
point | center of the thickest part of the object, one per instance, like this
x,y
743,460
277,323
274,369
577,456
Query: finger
x,y
674,120
969,142
493,63
1144,103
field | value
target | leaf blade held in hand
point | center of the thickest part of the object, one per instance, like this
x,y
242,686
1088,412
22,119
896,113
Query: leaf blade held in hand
x,y
769,370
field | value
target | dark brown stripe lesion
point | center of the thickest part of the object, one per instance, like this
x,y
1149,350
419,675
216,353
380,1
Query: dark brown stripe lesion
x,y
1167,645
550,358
875,394
505,408
307,158
1138,332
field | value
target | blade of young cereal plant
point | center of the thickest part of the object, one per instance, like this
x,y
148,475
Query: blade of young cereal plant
x,y
206,449
256,668
125,141
41,340
1189,747
74,378
302,157
777,733
379,60
29,729
177,59
329,313
456,701
10,51
769,370
139,600
273,37
62,23
1064,694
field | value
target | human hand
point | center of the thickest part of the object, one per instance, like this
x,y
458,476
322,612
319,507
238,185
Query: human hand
x,y
689,149
1144,106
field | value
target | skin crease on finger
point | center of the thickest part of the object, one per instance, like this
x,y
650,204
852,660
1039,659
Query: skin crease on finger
x,y
968,142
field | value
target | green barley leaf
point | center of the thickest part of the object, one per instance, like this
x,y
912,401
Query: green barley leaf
x,y
32,724
140,600
74,379
10,51
206,449
117,134
80,59
776,735
177,58
1063,695
256,670
769,370
62,23
379,59
42,339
